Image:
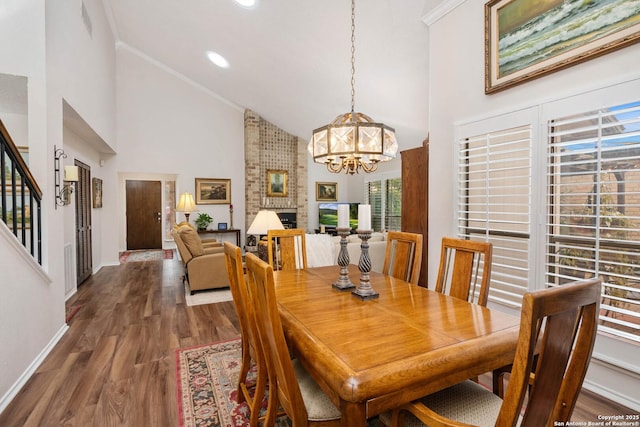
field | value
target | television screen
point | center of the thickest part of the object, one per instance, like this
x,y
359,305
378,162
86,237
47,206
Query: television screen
x,y
328,214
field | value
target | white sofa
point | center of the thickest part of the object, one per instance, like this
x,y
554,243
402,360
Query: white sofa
x,y
323,249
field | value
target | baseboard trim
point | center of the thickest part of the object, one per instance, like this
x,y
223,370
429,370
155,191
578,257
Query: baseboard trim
x,y
613,382
31,369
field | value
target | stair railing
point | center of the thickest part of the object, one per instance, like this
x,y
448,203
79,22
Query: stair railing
x,y
20,198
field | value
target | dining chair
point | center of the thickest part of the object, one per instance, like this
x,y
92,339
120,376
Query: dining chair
x,y
250,350
290,386
403,256
465,268
286,249
557,324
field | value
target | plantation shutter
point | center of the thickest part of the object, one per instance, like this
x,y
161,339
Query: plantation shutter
x,y
393,205
593,191
385,198
494,205
374,198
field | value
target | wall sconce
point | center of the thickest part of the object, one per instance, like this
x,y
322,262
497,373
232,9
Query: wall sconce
x,y
66,182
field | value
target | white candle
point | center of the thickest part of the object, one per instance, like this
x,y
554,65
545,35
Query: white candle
x,y
343,216
364,217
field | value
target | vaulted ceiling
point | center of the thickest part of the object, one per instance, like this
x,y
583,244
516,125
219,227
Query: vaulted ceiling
x,y
290,59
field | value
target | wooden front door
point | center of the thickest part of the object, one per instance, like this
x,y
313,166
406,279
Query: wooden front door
x,y
84,258
144,214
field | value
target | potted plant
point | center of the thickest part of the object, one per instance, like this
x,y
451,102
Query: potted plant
x,y
203,221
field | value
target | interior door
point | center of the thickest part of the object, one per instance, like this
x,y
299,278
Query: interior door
x,y
84,258
144,214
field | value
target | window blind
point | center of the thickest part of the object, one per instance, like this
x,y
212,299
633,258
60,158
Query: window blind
x,y
385,198
374,198
593,191
393,205
494,205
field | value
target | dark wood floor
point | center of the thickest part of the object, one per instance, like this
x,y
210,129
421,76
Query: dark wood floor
x,y
115,366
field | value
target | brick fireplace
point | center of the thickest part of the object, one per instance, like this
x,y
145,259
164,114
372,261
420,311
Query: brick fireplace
x,y
267,147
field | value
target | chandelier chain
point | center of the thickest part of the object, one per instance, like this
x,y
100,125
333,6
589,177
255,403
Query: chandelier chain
x,y
353,55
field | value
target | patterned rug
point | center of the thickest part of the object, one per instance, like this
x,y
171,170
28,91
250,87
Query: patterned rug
x,y
146,255
207,378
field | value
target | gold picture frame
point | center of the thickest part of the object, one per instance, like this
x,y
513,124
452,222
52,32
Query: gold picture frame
x,y
327,191
555,36
96,192
213,191
277,183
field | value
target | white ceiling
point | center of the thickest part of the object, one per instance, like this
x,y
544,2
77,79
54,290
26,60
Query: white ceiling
x,y
290,59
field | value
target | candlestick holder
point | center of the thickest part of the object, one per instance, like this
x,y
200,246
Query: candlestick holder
x,y
365,291
344,282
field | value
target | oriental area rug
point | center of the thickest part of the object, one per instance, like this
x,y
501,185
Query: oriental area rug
x,y
146,255
207,379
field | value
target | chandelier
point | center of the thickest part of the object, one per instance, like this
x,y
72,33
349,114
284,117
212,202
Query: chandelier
x,y
353,141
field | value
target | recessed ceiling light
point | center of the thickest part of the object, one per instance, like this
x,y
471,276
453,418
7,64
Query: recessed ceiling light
x,y
247,3
218,59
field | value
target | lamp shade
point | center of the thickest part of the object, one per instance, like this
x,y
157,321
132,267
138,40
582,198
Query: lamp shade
x,y
186,203
71,173
265,221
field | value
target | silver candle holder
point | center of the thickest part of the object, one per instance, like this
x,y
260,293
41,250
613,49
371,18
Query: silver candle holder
x,y
344,282
364,290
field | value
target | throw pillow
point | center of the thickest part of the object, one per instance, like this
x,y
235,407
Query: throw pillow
x,y
191,240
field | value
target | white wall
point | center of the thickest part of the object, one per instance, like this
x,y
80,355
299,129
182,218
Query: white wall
x,y
28,322
64,62
81,65
169,125
457,95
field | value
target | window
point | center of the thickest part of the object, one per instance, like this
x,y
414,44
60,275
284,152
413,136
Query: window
x,y
494,204
593,197
170,208
385,198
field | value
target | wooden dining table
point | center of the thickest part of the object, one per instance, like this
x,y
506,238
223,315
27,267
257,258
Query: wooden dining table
x,y
374,355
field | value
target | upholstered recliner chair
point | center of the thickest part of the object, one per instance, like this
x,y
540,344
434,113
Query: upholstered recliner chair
x,y
204,264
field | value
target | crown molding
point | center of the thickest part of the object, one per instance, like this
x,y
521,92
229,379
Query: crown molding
x,y
440,11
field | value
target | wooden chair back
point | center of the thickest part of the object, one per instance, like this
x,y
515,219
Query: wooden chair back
x,y
250,349
558,329
561,323
283,384
286,249
403,256
465,269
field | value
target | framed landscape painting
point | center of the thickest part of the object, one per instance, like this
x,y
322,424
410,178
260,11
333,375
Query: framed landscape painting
x,y
327,191
213,191
277,183
526,39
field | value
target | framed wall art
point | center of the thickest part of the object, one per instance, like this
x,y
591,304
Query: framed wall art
x,y
526,39
96,192
213,191
277,183
327,191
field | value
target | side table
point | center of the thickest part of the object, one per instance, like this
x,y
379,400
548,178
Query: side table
x,y
229,231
